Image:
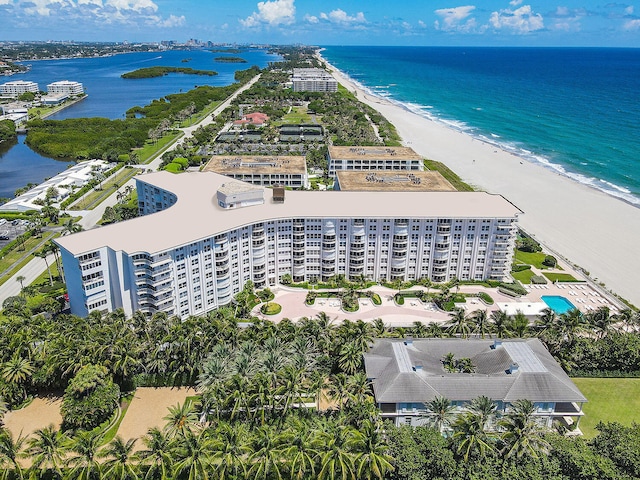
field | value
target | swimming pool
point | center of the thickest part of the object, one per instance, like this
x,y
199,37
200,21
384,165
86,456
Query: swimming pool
x,y
557,303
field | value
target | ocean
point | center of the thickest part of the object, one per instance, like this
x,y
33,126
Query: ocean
x,y
111,96
573,110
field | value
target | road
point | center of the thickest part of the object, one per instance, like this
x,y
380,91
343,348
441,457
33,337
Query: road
x,y
90,218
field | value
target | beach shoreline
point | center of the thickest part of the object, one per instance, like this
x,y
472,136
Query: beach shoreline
x,y
591,229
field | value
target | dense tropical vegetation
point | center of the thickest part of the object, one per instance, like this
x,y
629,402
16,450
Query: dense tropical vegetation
x,y
151,72
7,130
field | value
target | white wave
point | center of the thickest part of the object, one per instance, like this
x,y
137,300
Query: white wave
x,y
495,136
616,187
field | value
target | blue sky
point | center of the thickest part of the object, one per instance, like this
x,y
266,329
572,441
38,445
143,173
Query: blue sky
x,y
330,22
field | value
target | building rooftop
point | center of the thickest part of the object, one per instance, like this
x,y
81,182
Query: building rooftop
x,y
234,165
391,363
374,153
196,214
381,181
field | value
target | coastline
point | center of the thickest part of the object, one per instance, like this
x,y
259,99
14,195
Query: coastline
x,y
588,227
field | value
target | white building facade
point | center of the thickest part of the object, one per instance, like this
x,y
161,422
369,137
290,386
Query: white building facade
x,y
192,255
65,87
373,158
313,80
17,88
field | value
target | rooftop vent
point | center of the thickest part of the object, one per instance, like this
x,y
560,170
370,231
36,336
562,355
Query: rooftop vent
x,y
418,367
278,194
408,340
497,343
513,368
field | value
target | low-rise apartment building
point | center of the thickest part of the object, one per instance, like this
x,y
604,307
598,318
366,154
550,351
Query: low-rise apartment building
x,y
288,171
373,158
408,374
313,80
65,87
17,88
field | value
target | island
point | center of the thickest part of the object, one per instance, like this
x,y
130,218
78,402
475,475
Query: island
x,y
230,60
151,72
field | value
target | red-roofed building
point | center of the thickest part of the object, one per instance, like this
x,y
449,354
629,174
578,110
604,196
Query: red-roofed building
x,y
256,118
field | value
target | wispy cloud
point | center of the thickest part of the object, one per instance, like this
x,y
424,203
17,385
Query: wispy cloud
x,y
275,12
521,20
631,25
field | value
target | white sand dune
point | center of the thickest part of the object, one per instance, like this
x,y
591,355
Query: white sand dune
x,y
591,229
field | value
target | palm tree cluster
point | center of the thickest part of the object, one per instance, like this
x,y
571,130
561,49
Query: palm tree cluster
x,y
478,430
303,446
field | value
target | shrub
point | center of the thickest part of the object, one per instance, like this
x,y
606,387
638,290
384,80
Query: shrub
x,y
538,280
399,299
375,298
528,244
521,267
486,298
90,399
271,308
550,261
515,288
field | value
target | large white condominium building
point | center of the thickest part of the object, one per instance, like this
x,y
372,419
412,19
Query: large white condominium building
x,y
210,235
288,171
65,87
373,158
17,88
313,80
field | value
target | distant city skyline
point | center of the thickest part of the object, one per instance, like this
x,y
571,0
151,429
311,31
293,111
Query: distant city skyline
x,y
332,22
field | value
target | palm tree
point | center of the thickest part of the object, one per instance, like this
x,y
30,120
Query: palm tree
x,y
301,453
372,460
571,323
471,437
9,453
47,449
419,330
266,459
522,435
20,279
43,255
157,455
181,419
350,358
481,325
120,455
519,325
485,408
230,451
193,455
547,321
84,460
337,459
71,227
501,324
458,323
440,413
17,371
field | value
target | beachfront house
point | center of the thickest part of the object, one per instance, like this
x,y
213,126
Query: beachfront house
x,y
407,374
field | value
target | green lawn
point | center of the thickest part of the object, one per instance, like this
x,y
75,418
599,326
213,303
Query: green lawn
x,y
296,116
534,259
524,276
609,400
560,277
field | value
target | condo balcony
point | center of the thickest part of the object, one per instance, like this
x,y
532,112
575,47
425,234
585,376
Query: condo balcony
x,y
329,245
222,272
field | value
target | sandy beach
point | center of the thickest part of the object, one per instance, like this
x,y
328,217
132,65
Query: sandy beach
x,y
592,230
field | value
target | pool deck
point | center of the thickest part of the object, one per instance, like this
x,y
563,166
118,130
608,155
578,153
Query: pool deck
x,y
583,296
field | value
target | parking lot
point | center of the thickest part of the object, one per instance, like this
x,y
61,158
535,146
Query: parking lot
x,y
10,229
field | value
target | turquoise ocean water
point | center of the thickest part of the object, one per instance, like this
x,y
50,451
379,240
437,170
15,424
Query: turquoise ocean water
x,y
573,110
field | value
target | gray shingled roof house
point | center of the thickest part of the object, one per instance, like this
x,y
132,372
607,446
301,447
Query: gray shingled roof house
x,y
408,373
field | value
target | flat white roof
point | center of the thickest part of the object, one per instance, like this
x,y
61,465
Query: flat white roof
x,y
196,214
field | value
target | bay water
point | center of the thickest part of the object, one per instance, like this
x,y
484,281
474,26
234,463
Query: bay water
x,y
111,96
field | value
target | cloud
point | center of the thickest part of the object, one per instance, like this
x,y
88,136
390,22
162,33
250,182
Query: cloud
x,y
629,10
631,25
311,18
86,12
275,12
452,19
515,3
340,16
421,24
522,20
567,19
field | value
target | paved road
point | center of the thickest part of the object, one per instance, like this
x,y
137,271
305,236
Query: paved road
x,y
90,218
